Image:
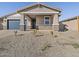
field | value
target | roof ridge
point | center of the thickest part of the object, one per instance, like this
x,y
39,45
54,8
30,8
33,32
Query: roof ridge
x,y
38,4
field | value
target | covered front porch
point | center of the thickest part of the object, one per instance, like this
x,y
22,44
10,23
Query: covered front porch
x,y
39,20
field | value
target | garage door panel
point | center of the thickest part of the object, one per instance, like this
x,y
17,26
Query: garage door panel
x,y
13,24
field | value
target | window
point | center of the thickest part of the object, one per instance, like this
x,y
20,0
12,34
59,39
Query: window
x,y
46,20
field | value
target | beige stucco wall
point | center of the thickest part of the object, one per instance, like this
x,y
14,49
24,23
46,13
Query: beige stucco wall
x,y
71,25
14,16
40,23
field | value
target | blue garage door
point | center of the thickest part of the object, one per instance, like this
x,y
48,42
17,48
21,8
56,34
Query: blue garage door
x,y
13,24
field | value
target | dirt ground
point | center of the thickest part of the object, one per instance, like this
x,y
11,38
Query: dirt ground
x,y
39,44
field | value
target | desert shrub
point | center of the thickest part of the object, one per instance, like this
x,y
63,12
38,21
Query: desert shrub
x,y
55,36
65,30
75,45
3,49
39,35
20,34
51,32
35,31
15,32
71,37
45,47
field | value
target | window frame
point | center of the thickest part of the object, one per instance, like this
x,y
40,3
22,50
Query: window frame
x,y
45,20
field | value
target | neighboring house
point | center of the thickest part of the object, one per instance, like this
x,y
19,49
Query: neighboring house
x,y
71,24
37,16
1,26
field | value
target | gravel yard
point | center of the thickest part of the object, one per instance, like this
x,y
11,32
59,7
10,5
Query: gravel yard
x,y
39,44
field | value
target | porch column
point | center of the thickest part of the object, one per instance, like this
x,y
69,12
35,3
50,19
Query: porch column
x,y
28,25
37,21
55,24
22,25
5,24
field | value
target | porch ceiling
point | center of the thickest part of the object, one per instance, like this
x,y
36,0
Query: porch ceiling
x,y
34,15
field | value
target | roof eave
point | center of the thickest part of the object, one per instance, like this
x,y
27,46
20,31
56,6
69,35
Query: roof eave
x,y
69,19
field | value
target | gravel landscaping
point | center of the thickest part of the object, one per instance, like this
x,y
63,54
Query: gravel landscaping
x,y
39,44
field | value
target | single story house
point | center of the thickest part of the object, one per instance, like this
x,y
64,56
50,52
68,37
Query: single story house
x,y
36,16
71,23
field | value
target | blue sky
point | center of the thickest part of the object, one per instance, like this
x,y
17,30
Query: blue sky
x,y
69,9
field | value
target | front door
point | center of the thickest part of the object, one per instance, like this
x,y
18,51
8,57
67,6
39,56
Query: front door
x,y
25,26
33,23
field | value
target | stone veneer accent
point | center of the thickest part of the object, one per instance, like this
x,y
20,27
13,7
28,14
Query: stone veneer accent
x,y
5,24
55,24
55,27
22,25
45,27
